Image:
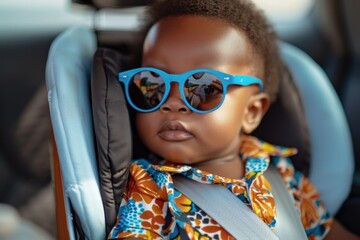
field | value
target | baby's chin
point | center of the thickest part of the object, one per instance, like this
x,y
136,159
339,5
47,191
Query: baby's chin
x,y
181,159
180,154
189,161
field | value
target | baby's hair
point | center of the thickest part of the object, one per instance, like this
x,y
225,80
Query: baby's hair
x,y
241,14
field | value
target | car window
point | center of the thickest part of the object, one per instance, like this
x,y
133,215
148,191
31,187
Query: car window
x,y
287,17
280,11
32,17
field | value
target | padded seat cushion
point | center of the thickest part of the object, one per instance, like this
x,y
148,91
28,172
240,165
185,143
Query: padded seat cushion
x,y
112,128
285,123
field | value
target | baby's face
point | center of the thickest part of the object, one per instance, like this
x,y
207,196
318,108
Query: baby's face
x,y
182,43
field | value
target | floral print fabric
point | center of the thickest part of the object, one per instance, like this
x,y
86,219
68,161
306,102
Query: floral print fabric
x,y
152,209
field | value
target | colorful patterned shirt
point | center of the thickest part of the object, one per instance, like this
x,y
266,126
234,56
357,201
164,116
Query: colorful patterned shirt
x,y
153,209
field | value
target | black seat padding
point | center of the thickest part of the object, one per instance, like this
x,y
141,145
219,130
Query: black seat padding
x,y
117,142
285,123
112,130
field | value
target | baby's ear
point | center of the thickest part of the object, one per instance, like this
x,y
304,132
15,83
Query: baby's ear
x,y
256,108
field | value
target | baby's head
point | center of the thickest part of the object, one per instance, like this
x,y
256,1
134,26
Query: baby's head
x,y
242,15
203,45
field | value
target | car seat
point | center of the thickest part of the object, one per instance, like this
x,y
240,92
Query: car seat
x,y
89,139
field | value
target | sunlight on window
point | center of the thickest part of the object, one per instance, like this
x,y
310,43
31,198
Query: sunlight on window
x,y
281,11
32,4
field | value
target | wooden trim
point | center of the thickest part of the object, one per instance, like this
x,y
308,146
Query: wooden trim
x,y
62,230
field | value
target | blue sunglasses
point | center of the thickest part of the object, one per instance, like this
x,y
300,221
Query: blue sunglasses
x,y
202,90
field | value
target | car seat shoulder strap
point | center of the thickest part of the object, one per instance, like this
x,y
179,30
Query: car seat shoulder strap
x,y
288,224
250,226
225,208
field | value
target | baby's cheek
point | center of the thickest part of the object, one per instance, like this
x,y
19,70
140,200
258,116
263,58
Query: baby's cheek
x,y
145,127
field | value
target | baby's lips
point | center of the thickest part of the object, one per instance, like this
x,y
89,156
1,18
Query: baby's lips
x,y
174,131
173,126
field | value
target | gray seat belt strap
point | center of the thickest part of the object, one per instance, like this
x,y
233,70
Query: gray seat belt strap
x,y
225,208
288,224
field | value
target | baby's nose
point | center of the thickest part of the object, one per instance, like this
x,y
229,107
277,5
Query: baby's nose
x,y
174,102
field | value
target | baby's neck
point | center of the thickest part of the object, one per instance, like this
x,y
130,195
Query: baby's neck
x,y
229,166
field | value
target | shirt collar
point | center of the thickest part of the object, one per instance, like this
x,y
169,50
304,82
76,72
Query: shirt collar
x,y
254,152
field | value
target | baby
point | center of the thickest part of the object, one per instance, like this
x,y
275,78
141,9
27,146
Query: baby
x,y
210,70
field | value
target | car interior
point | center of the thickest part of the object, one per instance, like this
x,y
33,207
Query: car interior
x,y
30,173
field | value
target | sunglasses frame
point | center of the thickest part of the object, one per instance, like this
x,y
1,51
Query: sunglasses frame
x,y
226,79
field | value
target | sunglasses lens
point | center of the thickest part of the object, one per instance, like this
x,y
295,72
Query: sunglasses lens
x,y
146,90
203,91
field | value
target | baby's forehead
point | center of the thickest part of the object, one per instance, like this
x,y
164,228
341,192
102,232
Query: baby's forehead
x,y
203,42
195,25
